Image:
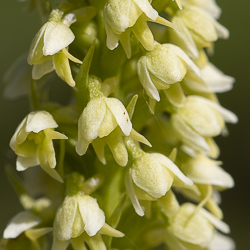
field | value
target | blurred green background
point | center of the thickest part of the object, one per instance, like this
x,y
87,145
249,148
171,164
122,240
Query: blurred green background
x,y
232,57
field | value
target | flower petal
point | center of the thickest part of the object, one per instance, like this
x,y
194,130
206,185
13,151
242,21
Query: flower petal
x,y
92,216
39,70
222,226
145,79
173,168
180,53
117,147
40,120
20,223
147,8
56,37
23,163
120,113
188,135
64,218
131,194
91,119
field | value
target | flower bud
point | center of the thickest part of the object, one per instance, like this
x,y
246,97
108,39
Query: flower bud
x,y
165,65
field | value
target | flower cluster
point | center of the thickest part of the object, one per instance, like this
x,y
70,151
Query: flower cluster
x,y
101,176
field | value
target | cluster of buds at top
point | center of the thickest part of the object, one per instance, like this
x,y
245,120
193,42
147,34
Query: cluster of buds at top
x,y
124,56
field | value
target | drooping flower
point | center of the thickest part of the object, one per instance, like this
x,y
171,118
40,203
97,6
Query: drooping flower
x,y
208,5
32,142
166,65
199,120
203,170
77,214
195,29
192,229
123,16
153,173
48,50
105,120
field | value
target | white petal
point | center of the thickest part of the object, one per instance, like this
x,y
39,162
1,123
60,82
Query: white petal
x,y
205,171
20,223
180,53
13,140
40,120
92,216
221,241
188,135
132,196
221,30
116,14
39,70
92,118
147,8
222,226
82,144
23,163
215,79
120,113
64,218
145,79
56,37
34,52
112,38
226,114
171,166
182,37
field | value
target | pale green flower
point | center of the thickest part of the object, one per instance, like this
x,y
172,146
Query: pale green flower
x,y
196,28
167,64
212,80
152,173
48,50
77,214
193,229
105,120
32,142
198,121
123,16
208,5
203,170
